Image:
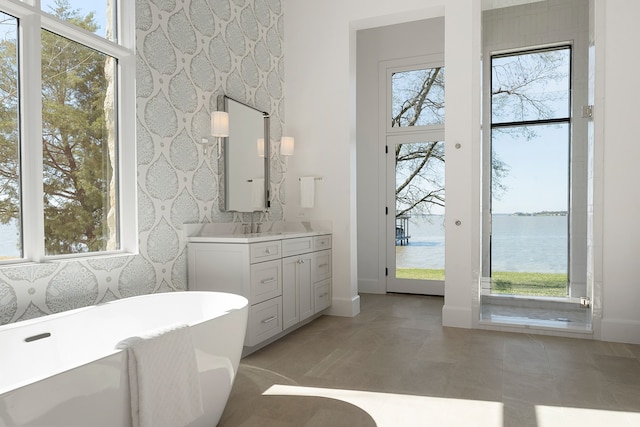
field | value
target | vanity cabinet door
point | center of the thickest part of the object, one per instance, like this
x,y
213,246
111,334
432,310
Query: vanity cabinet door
x,y
219,267
305,286
297,292
290,314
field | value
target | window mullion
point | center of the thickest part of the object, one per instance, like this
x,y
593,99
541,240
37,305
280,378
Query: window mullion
x,y
31,138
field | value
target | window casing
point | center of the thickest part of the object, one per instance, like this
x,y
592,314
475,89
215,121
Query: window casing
x,y
86,206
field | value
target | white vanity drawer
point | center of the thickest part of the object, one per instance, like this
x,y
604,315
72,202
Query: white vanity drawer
x,y
321,265
322,242
322,295
265,251
297,246
264,322
266,281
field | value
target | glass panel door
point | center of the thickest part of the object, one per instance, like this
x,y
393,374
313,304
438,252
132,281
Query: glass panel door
x,y
415,218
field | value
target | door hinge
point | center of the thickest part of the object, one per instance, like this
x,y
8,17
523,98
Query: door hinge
x,y
587,111
386,271
585,302
386,149
386,210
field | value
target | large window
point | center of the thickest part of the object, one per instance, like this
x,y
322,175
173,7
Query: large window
x,y
530,157
66,91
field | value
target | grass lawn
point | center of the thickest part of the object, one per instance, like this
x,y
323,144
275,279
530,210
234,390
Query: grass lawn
x,y
534,284
419,273
507,283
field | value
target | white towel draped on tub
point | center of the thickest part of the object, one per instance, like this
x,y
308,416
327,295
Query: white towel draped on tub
x,y
163,378
307,191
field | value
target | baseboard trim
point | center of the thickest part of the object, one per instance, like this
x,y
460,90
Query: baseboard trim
x,y
370,286
457,317
620,330
345,307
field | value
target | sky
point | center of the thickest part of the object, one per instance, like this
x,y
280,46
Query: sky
x,y
538,176
84,6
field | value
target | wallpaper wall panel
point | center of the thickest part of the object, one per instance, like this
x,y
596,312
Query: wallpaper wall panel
x,y
188,53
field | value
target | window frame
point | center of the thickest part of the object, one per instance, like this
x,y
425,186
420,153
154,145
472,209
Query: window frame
x,y
568,120
31,21
532,122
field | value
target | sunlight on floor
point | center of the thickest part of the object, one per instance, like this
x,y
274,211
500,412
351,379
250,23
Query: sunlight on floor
x,y
553,416
389,409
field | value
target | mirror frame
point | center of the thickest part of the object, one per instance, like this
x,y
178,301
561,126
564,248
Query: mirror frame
x,y
223,105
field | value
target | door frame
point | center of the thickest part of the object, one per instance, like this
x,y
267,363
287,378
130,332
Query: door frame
x,y
387,181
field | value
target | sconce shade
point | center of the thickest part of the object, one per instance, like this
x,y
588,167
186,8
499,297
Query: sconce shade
x,y
286,146
261,147
220,124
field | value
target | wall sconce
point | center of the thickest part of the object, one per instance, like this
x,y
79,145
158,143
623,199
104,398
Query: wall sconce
x,y
286,149
286,146
219,127
260,147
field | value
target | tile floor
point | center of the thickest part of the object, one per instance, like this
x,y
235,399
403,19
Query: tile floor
x,y
396,365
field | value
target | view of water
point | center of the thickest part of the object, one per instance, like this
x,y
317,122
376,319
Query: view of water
x,y
519,243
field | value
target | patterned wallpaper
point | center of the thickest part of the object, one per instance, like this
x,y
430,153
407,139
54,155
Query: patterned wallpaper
x,y
188,53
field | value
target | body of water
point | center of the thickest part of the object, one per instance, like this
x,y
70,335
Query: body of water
x,y
519,243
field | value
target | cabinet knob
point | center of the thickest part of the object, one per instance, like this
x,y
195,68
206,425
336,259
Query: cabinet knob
x,y
267,251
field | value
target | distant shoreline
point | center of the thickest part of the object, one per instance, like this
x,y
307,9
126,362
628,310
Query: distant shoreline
x,y
542,213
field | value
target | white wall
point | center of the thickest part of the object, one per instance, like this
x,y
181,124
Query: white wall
x,y
319,111
320,66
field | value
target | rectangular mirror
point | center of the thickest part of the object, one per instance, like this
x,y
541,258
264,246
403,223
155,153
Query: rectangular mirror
x,y
246,158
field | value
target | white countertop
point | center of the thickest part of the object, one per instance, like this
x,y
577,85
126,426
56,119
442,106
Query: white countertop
x,y
231,232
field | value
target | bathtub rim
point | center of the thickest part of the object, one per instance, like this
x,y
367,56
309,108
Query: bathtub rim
x,y
6,390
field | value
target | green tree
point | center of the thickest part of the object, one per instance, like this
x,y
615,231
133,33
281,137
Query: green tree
x,y
9,137
75,142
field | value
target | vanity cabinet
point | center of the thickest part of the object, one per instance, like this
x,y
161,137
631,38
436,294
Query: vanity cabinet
x,y
286,281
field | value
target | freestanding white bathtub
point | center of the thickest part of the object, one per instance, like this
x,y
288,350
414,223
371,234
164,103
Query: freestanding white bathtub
x,y
64,369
